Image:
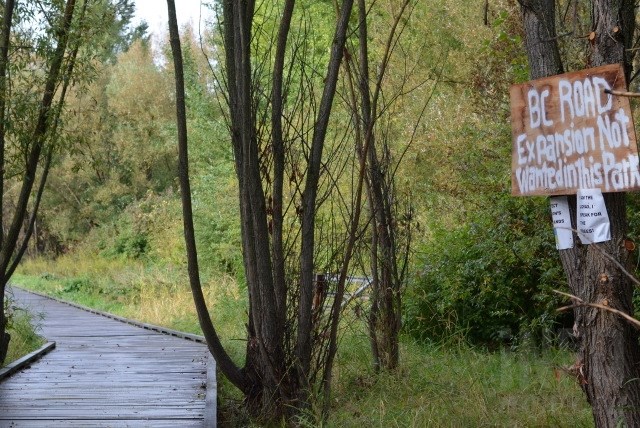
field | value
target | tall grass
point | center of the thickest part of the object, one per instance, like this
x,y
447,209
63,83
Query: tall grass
x,y
437,385
151,293
459,387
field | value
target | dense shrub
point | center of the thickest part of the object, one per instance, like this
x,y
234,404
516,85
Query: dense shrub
x,y
490,279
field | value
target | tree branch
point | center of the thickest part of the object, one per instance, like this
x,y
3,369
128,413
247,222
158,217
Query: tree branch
x,y
4,60
622,93
604,307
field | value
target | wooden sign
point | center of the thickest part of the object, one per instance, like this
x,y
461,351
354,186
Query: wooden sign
x,y
569,134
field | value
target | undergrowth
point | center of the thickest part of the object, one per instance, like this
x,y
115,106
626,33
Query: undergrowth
x,y
23,327
457,386
450,384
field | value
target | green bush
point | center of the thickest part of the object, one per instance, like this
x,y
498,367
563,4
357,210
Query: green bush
x,y
132,245
491,279
75,285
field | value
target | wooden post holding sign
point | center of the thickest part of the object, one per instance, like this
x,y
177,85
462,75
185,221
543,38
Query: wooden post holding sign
x,y
569,134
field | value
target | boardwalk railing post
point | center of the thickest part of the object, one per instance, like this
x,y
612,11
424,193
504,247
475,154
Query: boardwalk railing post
x,y
319,291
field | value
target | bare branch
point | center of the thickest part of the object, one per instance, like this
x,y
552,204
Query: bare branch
x,y
622,93
581,303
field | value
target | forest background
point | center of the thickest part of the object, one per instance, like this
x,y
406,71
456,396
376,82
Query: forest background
x,y
480,327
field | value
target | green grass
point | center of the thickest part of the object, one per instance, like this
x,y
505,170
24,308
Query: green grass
x,y
449,385
461,386
23,330
149,293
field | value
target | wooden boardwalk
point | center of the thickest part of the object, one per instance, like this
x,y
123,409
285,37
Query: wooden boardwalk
x,y
105,373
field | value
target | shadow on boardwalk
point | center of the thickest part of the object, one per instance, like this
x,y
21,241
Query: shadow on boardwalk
x,y
105,373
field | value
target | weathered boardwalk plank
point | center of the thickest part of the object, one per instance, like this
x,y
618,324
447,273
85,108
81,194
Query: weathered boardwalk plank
x,y
105,373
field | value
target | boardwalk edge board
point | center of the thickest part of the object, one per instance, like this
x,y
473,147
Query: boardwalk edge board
x,y
156,328
27,360
211,397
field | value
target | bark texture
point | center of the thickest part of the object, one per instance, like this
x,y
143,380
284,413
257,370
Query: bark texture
x,y
607,361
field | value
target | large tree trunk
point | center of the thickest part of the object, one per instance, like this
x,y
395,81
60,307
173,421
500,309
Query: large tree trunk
x,y
609,354
265,362
609,351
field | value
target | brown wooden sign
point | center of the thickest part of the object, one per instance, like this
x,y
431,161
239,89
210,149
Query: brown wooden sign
x,y
568,134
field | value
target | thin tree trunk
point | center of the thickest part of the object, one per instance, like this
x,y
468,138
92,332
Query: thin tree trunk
x,y
305,308
251,367
4,58
230,370
266,362
4,62
39,135
385,316
354,225
54,123
279,161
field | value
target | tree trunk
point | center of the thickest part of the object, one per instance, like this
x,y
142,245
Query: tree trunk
x,y
304,345
8,243
607,365
275,379
4,55
386,305
5,337
227,366
266,363
609,351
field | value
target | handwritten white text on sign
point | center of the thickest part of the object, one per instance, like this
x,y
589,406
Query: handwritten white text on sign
x,y
568,134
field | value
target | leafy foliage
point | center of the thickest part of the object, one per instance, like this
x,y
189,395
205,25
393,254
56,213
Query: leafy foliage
x,y
490,280
486,264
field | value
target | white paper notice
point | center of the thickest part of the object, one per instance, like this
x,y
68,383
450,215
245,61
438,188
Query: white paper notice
x,y
561,218
593,220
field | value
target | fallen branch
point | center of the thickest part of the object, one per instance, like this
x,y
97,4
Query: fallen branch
x,y
582,303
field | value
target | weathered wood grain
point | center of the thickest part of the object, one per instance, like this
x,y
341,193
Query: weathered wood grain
x,y
569,133
106,373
